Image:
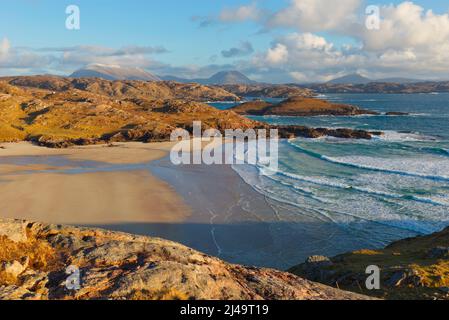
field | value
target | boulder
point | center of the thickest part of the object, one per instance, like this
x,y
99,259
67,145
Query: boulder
x,y
15,268
404,278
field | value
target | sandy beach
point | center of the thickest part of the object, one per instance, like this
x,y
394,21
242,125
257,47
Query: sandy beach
x,y
133,187
81,185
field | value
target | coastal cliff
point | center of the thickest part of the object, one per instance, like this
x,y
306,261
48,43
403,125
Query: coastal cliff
x,y
34,258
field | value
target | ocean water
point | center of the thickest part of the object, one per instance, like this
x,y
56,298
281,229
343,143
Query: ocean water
x,y
372,192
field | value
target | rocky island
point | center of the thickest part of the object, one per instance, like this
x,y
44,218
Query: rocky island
x,y
299,107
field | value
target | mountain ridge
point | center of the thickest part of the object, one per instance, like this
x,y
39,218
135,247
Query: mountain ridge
x,y
358,79
113,72
231,77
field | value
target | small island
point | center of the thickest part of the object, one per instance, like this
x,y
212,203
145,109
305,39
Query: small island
x,y
300,107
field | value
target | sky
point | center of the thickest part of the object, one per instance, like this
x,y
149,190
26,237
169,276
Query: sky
x,y
277,41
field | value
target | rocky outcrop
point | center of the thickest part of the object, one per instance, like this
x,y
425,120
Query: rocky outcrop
x,y
290,132
111,265
416,268
299,107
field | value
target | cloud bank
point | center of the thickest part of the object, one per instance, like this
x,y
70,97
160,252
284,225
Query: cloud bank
x,y
311,40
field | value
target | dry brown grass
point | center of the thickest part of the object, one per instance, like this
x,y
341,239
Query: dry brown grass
x,y
41,256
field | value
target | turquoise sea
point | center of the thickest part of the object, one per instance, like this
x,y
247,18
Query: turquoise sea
x,y
373,192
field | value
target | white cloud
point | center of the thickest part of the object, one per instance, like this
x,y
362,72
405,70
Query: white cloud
x,y
299,76
407,26
243,13
63,60
308,41
411,42
277,54
4,47
316,15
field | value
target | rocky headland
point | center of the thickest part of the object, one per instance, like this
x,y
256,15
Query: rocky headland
x,y
416,268
34,258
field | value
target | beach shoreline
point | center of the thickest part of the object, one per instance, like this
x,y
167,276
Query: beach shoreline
x,y
88,185
134,188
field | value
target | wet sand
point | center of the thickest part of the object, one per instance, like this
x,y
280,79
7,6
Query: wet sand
x,y
231,220
120,153
88,185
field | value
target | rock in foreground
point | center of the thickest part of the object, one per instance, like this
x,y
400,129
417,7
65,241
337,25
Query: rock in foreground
x,y
113,265
416,268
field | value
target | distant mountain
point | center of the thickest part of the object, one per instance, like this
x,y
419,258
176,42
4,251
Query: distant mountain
x,y
230,77
220,78
359,79
398,80
177,79
351,79
112,72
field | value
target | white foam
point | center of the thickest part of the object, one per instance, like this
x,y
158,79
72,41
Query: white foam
x,y
424,167
395,136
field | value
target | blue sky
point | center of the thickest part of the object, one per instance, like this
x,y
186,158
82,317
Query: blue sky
x,y
195,34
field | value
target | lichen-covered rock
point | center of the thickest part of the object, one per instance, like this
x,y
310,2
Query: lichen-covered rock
x,y
121,266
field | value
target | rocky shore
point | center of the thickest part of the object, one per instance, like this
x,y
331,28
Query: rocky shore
x,y
34,258
415,268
